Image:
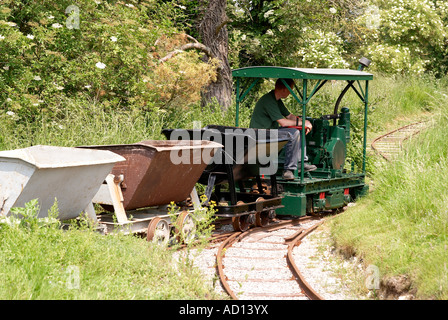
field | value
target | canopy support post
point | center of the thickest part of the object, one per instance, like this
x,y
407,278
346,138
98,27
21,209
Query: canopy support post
x,y
237,101
302,139
366,104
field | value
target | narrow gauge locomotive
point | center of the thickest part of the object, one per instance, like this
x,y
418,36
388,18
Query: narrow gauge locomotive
x,y
331,186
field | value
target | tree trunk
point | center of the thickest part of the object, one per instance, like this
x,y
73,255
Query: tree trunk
x,y
214,35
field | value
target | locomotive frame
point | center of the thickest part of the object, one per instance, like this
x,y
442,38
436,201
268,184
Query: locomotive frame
x,y
328,187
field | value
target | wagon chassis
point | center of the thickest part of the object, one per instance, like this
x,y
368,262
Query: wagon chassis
x,y
155,221
242,202
139,190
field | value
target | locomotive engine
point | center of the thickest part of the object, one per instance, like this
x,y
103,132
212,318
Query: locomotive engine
x,y
242,189
326,145
329,186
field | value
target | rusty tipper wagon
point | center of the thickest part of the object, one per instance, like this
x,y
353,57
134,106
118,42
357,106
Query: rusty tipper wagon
x,y
139,189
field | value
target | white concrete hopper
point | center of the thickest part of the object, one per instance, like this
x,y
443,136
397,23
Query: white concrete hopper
x,y
70,175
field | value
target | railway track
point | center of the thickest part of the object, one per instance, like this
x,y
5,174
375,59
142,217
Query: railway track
x,y
389,145
259,263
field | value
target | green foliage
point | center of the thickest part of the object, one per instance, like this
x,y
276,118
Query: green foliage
x,y
406,36
104,83
111,59
26,217
40,261
294,33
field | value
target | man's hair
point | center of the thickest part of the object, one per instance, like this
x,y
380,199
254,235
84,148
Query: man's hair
x,y
280,85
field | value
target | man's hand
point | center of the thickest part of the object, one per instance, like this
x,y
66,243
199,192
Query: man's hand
x,y
308,126
294,121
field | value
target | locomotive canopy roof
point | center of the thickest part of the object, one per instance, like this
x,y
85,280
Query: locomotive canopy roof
x,y
301,73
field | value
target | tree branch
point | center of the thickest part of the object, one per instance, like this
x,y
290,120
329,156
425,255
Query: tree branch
x,y
218,28
181,34
188,46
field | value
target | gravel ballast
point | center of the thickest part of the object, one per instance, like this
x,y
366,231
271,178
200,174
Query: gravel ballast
x,y
251,261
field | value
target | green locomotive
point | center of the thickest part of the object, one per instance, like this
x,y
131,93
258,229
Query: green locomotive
x,y
330,186
234,179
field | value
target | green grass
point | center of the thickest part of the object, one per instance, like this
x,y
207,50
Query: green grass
x,y
402,226
36,264
88,123
41,261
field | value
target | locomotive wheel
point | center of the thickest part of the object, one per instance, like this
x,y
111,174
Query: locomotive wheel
x,y
310,208
186,227
262,217
242,223
158,231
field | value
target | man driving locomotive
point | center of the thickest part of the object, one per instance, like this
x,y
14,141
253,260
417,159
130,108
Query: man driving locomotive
x,y
271,113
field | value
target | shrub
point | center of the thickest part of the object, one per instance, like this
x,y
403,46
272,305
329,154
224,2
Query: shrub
x,y
110,58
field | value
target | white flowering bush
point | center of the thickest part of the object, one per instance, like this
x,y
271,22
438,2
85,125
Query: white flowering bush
x,y
322,50
414,21
406,35
394,59
298,33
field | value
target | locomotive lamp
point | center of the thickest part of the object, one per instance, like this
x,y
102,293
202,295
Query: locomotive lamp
x,y
363,63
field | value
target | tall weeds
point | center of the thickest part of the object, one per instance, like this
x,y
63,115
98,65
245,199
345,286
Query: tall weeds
x,y
402,226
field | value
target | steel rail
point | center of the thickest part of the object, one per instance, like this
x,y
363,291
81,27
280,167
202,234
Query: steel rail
x,y
291,241
219,255
294,241
409,131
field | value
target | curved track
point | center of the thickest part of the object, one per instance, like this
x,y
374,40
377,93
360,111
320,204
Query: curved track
x,y
259,264
390,144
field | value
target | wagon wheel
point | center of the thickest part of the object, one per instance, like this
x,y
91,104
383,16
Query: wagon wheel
x,y
261,217
266,188
158,231
186,227
242,223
